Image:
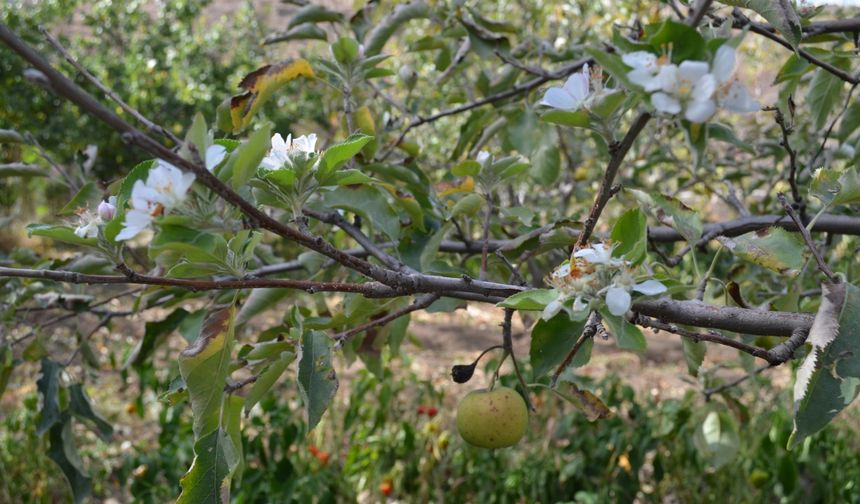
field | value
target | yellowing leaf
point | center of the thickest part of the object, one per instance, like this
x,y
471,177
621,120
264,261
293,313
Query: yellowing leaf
x,y
466,185
260,85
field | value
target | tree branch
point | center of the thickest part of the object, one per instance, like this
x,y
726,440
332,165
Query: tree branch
x,y
618,151
808,239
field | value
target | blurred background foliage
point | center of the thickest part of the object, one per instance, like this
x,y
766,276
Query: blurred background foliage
x,y
170,59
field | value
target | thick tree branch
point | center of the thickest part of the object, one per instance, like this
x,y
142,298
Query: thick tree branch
x,y
729,318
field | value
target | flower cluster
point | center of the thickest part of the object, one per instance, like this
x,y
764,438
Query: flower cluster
x,y
593,275
279,155
695,88
90,222
165,188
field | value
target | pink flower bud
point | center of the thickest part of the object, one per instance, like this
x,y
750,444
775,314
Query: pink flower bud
x,y
106,211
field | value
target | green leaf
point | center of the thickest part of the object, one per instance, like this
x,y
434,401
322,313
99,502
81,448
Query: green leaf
x,y
63,452
300,32
694,355
154,334
60,233
48,386
204,366
552,339
572,118
84,199
316,376
829,378
466,168
259,301
825,91
379,35
80,406
431,248
835,187
198,136
773,248
139,172
468,205
671,212
267,380
630,234
368,202
723,133
7,364
717,440
779,13
208,479
314,13
546,162
585,401
534,300
850,121
246,159
342,152
627,335
685,41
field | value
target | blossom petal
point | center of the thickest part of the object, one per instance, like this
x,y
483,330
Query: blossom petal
x,y
724,63
278,143
665,103
617,300
214,155
559,98
666,80
704,88
551,309
135,222
483,156
650,287
692,70
640,60
577,85
700,111
736,99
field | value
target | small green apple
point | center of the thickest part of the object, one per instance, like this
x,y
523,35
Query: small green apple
x,y
492,419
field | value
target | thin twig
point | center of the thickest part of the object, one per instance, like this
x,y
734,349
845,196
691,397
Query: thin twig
x,y
741,21
591,328
808,239
830,128
420,303
151,126
485,249
514,91
617,152
787,130
708,392
508,343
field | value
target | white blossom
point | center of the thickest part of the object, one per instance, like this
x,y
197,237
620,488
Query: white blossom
x,y
483,156
572,95
165,188
731,94
89,227
597,254
693,87
618,299
214,155
279,153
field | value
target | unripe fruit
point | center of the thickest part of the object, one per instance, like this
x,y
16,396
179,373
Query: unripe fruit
x,y
492,419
